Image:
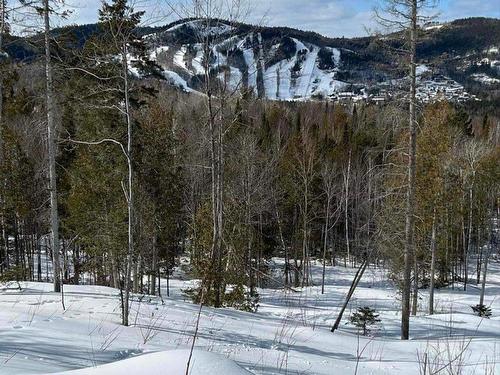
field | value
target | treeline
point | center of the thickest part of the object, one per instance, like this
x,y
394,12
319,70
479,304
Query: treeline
x,y
302,181
147,174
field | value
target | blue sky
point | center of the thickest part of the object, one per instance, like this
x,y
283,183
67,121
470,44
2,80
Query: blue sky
x,y
328,17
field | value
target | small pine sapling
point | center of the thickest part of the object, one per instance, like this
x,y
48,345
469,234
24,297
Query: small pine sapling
x,y
482,311
364,318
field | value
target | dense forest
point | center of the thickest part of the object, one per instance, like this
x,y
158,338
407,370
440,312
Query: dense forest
x,y
148,175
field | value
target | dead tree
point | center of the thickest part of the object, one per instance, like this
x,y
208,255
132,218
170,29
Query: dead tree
x,y
404,16
51,148
354,285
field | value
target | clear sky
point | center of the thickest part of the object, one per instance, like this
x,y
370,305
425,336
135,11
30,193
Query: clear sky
x,y
328,17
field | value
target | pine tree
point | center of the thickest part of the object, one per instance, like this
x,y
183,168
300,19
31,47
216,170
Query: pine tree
x,y
364,319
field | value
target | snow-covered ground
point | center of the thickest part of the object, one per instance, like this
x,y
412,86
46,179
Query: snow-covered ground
x,y
290,334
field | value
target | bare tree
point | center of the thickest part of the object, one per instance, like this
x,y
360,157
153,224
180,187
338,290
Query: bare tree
x,y
3,31
472,155
433,264
492,242
329,176
209,16
52,148
405,16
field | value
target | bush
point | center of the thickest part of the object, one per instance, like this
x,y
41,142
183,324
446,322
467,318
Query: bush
x,y
238,298
482,311
242,300
364,318
13,275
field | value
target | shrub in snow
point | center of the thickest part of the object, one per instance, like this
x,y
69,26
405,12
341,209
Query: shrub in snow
x,y
364,318
243,300
482,311
13,275
239,297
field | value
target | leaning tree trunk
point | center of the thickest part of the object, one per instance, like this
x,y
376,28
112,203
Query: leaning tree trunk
x,y
354,285
51,130
409,248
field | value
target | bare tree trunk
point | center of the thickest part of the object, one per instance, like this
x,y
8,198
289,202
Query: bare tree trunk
x,y
3,11
346,202
409,249
414,305
129,194
305,259
354,285
248,231
154,267
486,258
485,270
282,240
469,239
325,241
433,264
51,131
479,256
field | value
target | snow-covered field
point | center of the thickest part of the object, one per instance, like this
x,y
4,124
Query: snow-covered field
x,y
290,334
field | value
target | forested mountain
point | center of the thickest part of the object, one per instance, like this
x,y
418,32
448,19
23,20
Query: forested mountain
x,y
285,64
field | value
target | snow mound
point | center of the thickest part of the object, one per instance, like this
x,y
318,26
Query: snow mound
x,y
171,362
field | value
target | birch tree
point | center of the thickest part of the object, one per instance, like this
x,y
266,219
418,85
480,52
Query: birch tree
x,y
110,62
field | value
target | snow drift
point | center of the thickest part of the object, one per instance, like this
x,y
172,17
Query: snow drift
x,y
171,362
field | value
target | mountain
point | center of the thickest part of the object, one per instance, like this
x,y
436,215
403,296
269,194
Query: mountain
x,y
459,60
288,64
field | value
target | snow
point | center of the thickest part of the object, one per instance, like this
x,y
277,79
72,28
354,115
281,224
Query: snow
x,y
485,79
433,27
179,58
277,80
202,31
234,79
250,61
197,61
421,69
308,81
176,80
495,64
493,49
132,62
336,55
281,82
289,334
173,361
306,76
158,51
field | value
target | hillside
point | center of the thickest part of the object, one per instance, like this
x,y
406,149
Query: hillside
x,y
286,64
459,58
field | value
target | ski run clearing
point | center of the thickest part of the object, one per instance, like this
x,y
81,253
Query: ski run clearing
x,y
290,334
